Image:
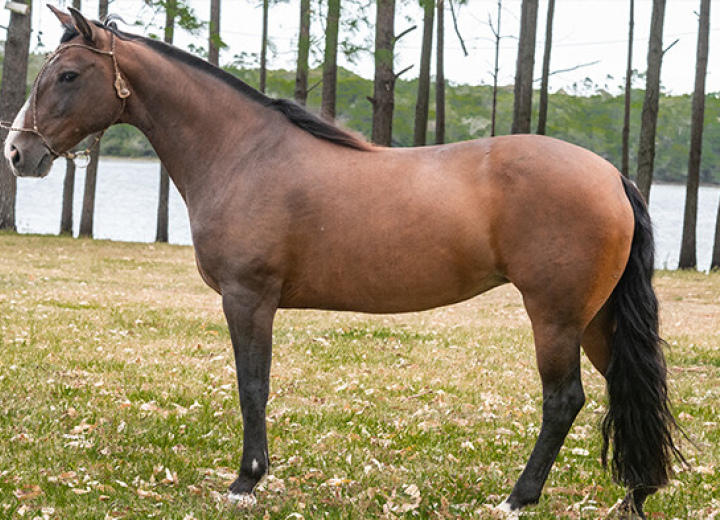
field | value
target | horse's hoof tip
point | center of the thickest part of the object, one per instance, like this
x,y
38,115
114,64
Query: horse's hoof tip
x,y
505,510
242,500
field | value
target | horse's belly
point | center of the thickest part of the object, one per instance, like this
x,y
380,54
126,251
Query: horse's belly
x,y
391,279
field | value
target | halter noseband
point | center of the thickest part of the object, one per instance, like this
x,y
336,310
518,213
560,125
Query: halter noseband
x,y
121,88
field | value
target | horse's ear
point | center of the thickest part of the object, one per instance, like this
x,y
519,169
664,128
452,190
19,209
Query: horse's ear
x,y
64,18
82,25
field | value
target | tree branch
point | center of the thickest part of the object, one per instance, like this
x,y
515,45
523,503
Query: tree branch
x,y
314,86
576,67
404,33
403,71
457,29
670,46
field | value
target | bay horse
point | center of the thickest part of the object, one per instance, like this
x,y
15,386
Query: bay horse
x,y
289,211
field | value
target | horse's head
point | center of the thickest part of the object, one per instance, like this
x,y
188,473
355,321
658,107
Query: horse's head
x,y
78,92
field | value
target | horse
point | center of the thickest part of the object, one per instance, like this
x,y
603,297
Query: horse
x,y
290,211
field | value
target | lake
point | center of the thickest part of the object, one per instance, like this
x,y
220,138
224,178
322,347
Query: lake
x,y
127,196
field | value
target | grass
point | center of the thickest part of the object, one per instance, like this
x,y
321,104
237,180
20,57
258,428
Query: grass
x,y
118,399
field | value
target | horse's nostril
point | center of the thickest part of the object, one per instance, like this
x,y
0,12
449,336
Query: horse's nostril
x,y
14,155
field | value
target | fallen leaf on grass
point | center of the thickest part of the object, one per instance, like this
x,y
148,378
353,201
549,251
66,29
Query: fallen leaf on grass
x,y
171,478
226,474
194,490
153,407
337,482
399,504
276,485
28,493
71,413
69,478
23,437
142,493
83,427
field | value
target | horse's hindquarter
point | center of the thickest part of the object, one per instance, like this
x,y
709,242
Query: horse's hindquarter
x,y
566,226
391,231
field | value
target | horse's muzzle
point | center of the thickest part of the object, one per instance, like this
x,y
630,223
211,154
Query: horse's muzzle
x,y
27,156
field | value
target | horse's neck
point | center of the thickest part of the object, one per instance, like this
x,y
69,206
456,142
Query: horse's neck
x,y
194,121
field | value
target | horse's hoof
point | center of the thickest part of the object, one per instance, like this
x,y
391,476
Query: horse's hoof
x,y
626,510
242,500
505,510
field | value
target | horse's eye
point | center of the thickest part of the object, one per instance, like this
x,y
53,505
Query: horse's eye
x,y
67,77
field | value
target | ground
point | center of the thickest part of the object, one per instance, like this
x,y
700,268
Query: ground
x,y
118,399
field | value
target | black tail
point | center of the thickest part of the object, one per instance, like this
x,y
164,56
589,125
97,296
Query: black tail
x,y
639,423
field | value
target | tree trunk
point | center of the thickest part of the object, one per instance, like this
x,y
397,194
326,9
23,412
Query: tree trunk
x,y
12,98
88,208
329,83
66,217
522,111
383,100
715,261
87,216
303,69
625,168
542,114
214,38
103,9
440,75
163,214
423,96
688,250
646,148
264,45
496,69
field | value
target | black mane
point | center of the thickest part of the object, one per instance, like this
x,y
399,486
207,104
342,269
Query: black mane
x,y
295,113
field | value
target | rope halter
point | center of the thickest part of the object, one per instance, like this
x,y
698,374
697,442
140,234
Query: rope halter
x,y
121,88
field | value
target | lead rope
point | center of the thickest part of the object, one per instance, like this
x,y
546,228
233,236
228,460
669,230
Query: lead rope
x,y
121,88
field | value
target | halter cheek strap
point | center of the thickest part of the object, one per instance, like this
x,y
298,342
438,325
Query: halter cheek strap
x,y
121,89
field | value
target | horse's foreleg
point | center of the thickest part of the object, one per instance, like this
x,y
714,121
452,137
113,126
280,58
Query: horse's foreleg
x,y
558,354
250,318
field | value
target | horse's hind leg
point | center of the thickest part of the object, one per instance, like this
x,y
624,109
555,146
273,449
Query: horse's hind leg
x,y
558,355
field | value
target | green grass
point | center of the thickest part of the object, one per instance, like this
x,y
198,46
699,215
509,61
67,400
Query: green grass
x,y
118,399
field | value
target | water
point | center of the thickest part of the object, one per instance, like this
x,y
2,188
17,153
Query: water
x,y
127,198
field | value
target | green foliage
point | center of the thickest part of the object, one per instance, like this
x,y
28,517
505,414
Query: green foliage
x,y
185,16
125,141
